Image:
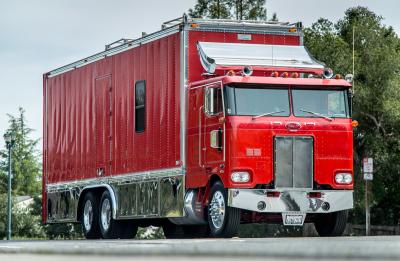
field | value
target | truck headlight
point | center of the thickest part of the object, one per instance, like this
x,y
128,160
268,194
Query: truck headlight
x,y
343,178
240,176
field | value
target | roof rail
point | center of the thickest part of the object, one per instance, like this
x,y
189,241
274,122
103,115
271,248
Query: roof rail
x,y
119,42
261,22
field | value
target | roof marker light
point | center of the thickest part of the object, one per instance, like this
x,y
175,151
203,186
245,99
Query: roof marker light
x,y
295,75
274,74
230,73
285,75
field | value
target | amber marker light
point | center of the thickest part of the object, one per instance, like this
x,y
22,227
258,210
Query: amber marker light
x,y
285,75
274,74
338,77
195,25
354,124
292,30
230,73
295,75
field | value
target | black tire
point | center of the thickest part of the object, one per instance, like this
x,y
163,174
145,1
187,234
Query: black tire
x,y
111,228
172,231
91,230
332,224
229,226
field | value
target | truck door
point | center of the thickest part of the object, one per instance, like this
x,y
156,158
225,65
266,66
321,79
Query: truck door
x,y
103,125
213,135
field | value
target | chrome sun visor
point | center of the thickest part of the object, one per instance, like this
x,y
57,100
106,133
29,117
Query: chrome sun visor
x,y
214,55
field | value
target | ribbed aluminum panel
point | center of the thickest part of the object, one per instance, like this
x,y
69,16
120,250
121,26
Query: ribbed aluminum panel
x,y
214,54
293,162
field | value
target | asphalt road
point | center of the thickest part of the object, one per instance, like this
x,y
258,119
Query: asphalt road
x,y
342,248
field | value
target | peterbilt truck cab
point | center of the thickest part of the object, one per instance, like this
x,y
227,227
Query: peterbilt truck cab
x,y
279,138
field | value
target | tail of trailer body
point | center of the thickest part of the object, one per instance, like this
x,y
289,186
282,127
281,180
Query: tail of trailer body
x,y
198,128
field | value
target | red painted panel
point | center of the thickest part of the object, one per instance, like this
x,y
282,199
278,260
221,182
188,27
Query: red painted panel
x,y
103,136
76,145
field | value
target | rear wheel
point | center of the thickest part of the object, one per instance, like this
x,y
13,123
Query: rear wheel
x,y
111,228
332,224
89,216
223,220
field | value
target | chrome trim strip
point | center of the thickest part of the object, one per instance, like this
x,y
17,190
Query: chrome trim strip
x,y
291,200
183,93
200,141
123,178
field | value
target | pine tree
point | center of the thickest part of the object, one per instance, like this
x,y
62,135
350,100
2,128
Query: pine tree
x,y
250,10
26,167
214,9
230,9
274,18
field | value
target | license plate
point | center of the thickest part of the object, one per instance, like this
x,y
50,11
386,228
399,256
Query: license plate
x,y
293,219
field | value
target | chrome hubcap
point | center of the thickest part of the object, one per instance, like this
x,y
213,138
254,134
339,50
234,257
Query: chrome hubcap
x,y
217,209
105,214
88,215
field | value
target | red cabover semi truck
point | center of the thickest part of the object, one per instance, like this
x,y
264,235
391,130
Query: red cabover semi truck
x,y
199,127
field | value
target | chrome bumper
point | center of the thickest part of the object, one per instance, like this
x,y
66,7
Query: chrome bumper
x,y
290,200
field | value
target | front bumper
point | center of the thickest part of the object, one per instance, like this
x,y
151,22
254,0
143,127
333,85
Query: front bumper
x,y
291,200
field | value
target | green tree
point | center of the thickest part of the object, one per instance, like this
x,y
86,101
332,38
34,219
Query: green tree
x,y
230,9
214,9
250,10
26,165
376,100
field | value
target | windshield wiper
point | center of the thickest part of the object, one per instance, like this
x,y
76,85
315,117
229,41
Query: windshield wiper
x,y
317,114
266,114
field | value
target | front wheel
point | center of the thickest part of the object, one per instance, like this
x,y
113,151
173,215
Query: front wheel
x,y
223,220
332,224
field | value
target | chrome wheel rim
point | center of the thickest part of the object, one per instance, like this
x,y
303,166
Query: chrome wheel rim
x,y
217,210
88,215
105,215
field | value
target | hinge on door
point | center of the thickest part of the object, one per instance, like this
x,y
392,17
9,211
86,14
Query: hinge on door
x,y
110,113
110,137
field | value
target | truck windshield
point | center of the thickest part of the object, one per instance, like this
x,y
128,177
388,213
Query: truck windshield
x,y
320,103
257,100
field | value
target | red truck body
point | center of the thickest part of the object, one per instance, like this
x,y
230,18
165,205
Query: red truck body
x,y
131,123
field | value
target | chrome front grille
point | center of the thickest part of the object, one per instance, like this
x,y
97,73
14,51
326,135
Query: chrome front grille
x,y
293,161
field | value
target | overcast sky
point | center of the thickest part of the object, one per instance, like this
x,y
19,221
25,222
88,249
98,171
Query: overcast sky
x,y
40,35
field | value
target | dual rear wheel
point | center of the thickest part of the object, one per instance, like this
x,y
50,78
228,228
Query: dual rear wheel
x,y
97,221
